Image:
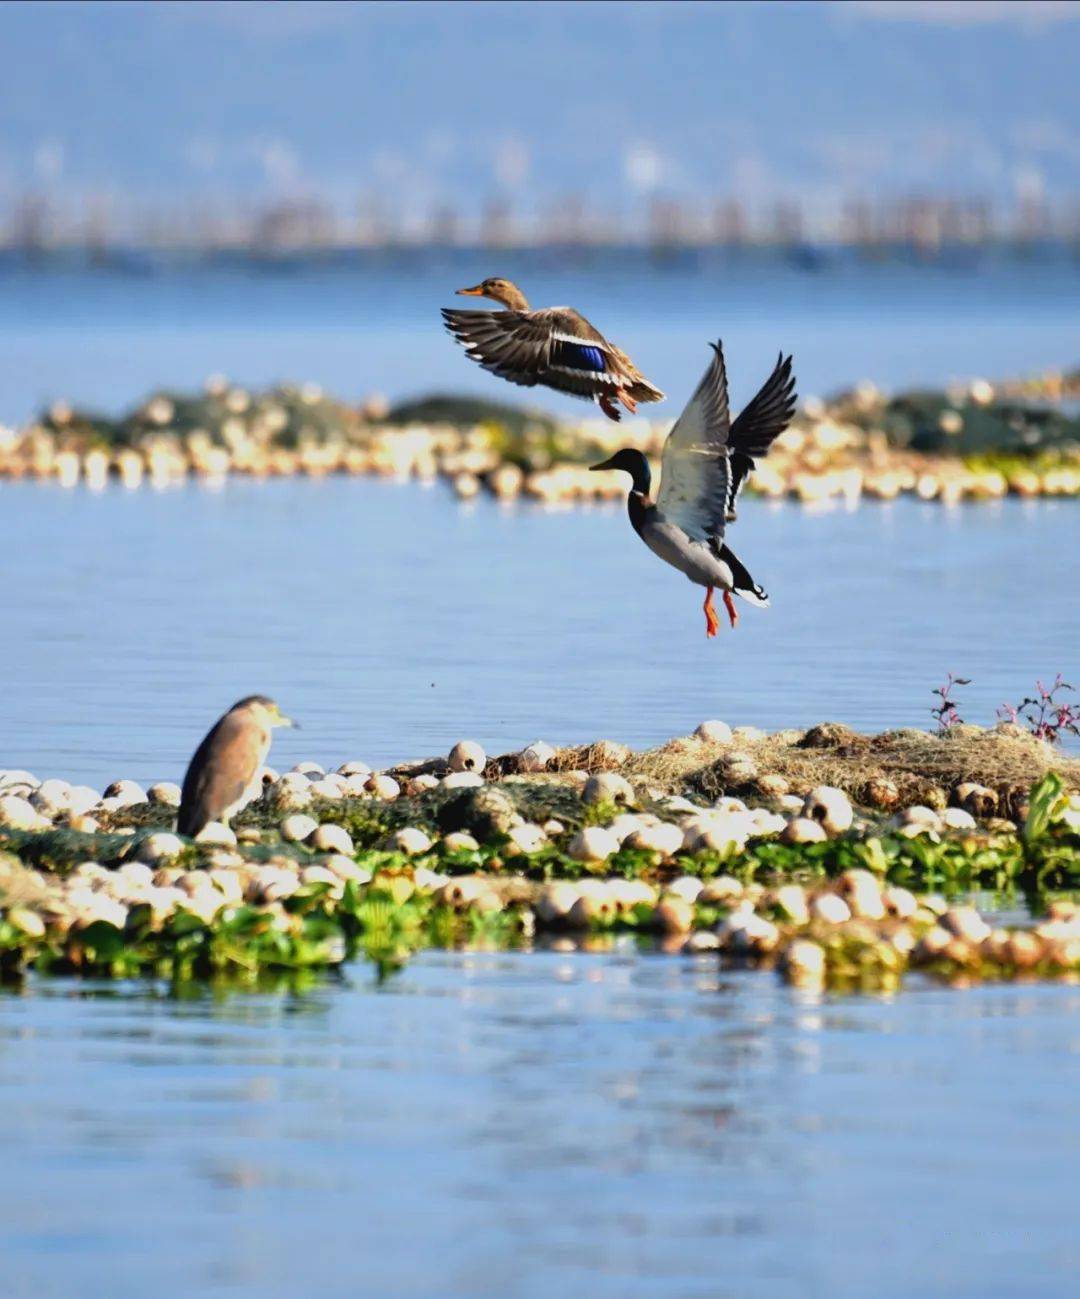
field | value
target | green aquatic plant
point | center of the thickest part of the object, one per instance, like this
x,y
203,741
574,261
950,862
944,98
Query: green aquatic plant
x,y
1047,806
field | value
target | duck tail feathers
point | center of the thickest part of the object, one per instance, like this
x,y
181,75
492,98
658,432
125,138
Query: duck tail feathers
x,y
753,595
644,391
743,584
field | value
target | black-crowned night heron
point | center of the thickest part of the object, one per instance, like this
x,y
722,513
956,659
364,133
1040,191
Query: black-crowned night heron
x,y
220,775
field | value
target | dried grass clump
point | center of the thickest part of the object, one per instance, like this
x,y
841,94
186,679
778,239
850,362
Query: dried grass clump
x,y
923,768
919,766
601,755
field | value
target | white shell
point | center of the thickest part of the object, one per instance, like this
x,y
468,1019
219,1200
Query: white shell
x,y
462,780
164,793
830,908
460,841
332,838
663,837
19,814
966,923
527,837
592,843
297,826
687,887
607,787
160,846
536,756
830,807
802,830
216,833
714,733
125,793
420,784
862,892
381,786
805,960
330,787
792,899
467,755
411,840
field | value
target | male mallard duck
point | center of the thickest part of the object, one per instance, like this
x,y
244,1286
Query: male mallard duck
x,y
556,347
705,462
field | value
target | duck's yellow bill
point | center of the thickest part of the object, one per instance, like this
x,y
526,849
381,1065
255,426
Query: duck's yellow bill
x,y
477,292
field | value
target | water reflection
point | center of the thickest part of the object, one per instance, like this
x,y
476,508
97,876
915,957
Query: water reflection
x,y
515,1124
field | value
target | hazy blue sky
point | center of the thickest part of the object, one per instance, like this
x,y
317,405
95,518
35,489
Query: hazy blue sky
x,y
463,102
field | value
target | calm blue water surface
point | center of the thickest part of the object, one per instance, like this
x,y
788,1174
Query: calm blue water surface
x,y
104,339
527,1125
392,620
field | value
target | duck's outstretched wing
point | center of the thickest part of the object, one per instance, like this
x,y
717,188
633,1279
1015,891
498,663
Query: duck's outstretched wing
x,y
759,424
695,473
557,347
515,345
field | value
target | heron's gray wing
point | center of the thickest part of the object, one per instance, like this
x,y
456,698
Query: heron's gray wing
x,y
223,767
695,473
759,424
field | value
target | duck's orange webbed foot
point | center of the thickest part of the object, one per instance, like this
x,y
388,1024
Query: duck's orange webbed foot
x,y
609,408
732,612
628,402
712,622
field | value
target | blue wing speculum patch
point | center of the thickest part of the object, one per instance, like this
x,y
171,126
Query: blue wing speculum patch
x,y
579,356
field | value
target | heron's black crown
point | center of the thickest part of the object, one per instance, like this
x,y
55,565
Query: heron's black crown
x,y
247,700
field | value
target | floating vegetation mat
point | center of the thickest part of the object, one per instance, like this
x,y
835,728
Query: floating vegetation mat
x,y
971,443
731,844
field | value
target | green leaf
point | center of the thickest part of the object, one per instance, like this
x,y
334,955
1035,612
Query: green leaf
x,y
106,941
1047,804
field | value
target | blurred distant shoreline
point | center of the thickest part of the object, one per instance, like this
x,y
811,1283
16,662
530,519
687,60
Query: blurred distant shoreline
x,y
149,259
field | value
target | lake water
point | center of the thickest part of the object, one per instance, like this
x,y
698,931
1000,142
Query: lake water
x,y
622,1125
105,339
391,620
518,1126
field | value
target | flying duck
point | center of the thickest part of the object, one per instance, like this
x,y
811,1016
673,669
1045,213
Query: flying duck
x,y
556,347
705,462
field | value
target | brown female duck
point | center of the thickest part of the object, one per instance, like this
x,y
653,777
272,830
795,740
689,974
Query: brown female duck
x,y
556,347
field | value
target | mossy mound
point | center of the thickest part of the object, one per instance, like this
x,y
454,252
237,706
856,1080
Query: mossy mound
x,y
919,766
466,412
935,423
285,416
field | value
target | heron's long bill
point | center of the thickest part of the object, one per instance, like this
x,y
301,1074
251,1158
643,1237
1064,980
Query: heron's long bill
x,y
476,292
